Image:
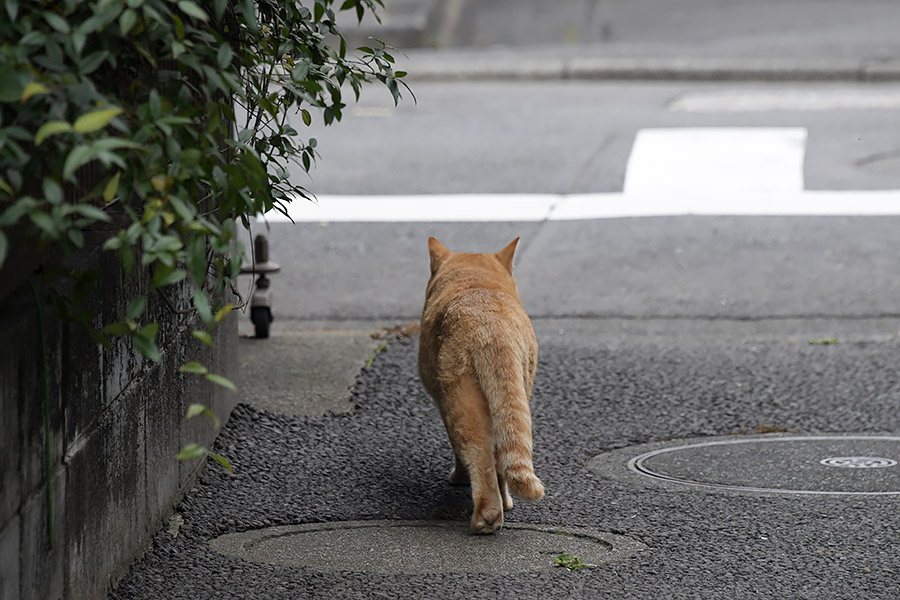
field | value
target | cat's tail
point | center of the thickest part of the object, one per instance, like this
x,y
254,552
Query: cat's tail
x,y
503,383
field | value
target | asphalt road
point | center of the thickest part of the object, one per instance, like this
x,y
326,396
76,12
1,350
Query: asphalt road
x,y
563,138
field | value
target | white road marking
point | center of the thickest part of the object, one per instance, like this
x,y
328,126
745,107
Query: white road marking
x,y
804,203
804,100
569,207
700,160
670,172
432,207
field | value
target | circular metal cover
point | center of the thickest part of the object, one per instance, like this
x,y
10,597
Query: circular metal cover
x,y
771,464
419,547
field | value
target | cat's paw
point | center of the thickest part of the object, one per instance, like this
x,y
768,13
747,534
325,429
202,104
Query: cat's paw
x,y
487,521
507,502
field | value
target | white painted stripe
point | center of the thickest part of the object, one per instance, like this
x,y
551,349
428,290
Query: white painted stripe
x,y
541,207
804,203
698,160
670,172
432,207
807,99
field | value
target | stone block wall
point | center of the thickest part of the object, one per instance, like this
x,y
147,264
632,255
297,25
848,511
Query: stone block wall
x,y
116,424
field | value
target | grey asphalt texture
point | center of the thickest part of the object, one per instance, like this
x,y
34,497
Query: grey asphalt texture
x,y
599,388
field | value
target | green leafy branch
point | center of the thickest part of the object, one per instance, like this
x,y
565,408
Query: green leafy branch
x,y
148,128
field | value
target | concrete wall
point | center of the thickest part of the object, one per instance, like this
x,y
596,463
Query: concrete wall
x,y
117,422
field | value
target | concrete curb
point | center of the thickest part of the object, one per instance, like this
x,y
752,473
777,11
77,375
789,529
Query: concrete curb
x,y
516,66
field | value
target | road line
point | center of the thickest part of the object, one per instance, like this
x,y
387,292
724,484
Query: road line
x,y
431,208
548,207
697,160
803,100
670,172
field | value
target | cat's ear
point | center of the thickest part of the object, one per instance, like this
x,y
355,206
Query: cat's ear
x,y
505,256
438,253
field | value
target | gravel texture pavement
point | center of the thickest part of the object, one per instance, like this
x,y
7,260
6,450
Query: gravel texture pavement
x,y
595,392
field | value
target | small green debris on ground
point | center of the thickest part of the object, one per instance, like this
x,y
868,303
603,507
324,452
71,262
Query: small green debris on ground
x,y
571,562
824,341
378,351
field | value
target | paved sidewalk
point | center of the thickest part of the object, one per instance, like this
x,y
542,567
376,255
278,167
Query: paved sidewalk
x,y
357,504
797,40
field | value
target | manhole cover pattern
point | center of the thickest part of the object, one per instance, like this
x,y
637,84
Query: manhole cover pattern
x,y
774,464
421,547
858,462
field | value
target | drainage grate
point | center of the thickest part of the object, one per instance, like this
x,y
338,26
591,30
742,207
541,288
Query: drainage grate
x,y
769,464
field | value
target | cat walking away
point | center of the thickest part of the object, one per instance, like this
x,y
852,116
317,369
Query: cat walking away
x,y
477,359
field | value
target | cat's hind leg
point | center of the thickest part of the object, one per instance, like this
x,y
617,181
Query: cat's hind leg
x,y
504,492
459,475
469,427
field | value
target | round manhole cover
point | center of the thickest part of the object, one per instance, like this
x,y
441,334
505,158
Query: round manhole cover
x,y
866,465
419,547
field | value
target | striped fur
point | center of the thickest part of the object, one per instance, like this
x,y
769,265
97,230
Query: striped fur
x,y
477,359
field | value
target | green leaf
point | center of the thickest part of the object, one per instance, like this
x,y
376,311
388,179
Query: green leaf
x,y
219,6
112,188
56,22
77,158
196,259
248,10
219,380
307,118
147,347
53,192
33,89
91,212
155,104
45,223
12,82
194,367
192,10
224,56
191,452
120,328
136,307
96,119
201,303
98,337
78,41
203,336
113,243
12,9
33,38
92,61
194,409
76,237
223,312
221,460
127,21
198,409
164,276
149,331
50,128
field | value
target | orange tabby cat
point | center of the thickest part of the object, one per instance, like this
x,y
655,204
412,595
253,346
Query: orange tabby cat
x,y
477,358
